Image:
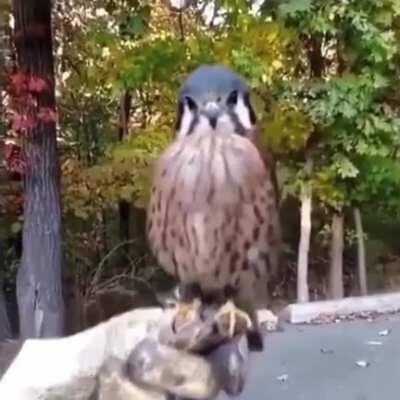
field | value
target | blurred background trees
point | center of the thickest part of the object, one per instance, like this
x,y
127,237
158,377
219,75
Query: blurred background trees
x,y
325,79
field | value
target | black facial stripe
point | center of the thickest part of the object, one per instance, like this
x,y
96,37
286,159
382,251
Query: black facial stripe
x,y
194,122
252,114
179,115
239,128
191,103
232,98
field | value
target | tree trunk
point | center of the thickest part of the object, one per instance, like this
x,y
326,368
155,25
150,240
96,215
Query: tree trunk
x,y
124,206
39,289
336,266
362,269
5,327
304,246
305,235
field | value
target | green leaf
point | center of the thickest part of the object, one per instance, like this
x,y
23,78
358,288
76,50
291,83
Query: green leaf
x,y
292,7
16,228
136,25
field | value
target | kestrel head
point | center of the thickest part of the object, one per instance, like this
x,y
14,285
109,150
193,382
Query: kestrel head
x,y
215,99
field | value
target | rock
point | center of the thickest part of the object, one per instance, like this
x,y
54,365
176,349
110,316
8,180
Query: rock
x,y
114,384
268,320
123,359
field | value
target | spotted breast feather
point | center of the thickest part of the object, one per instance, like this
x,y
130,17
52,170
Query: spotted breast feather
x,y
212,213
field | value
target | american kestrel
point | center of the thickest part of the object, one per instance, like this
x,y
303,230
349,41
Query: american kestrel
x,y
213,219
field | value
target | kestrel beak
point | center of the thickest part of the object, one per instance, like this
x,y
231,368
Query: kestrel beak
x,y
212,111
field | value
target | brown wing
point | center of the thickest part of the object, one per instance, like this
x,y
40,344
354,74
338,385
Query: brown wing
x,y
212,215
271,166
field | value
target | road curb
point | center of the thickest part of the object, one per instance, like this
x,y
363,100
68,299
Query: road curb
x,y
307,312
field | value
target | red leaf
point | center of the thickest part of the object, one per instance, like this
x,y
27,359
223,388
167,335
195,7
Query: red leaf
x,y
19,81
36,84
9,148
13,156
22,123
47,115
17,165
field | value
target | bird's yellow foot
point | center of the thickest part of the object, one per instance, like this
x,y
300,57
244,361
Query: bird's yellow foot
x,y
231,320
186,313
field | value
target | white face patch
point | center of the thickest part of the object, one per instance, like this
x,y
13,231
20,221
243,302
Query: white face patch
x,y
225,123
202,126
243,113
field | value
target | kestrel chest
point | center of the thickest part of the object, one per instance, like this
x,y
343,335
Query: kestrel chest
x,y
211,214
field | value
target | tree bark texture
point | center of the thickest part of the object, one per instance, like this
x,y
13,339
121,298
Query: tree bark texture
x,y
39,288
124,206
361,263
336,265
5,327
304,246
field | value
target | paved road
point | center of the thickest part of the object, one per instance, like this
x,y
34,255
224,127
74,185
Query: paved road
x,y
331,374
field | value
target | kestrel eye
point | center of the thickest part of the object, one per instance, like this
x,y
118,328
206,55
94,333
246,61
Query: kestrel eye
x,y
232,98
191,103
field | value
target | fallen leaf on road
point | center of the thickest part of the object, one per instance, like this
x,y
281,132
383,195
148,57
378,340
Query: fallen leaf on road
x,y
326,351
374,343
337,318
268,320
283,378
362,363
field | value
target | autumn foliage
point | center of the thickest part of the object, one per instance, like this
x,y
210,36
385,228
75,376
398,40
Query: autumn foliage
x,y
325,83
25,113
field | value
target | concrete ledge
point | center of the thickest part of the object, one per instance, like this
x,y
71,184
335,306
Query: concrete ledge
x,y
307,312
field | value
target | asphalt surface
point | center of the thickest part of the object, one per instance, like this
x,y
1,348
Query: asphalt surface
x,y
320,362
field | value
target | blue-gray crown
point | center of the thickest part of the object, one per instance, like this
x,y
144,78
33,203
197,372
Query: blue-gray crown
x,y
212,81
